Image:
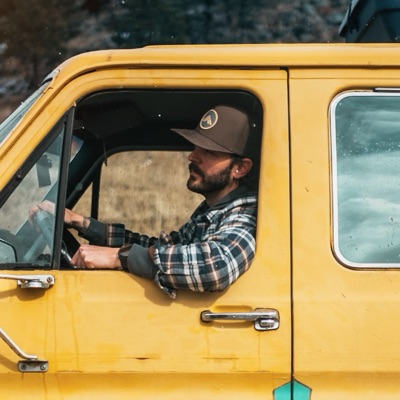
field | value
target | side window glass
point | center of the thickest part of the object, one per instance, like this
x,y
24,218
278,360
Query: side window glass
x,y
20,241
366,179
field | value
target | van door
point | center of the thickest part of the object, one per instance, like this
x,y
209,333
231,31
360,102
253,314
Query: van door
x,y
345,232
109,334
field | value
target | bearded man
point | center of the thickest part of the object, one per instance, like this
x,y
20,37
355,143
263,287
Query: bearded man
x,y
217,245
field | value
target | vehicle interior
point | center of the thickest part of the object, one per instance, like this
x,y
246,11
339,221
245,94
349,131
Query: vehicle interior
x,y
108,123
144,118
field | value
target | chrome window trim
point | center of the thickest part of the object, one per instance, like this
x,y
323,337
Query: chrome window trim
x,y
334,179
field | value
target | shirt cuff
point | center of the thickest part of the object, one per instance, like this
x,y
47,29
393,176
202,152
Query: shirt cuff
x,y
95,232
140,263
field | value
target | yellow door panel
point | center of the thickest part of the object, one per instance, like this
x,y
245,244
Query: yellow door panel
x,y
109,334
345,340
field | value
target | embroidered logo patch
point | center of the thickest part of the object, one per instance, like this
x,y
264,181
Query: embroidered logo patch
x,y
209,119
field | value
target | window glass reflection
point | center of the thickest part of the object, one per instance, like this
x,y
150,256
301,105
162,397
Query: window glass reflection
x,y
32,243
366,161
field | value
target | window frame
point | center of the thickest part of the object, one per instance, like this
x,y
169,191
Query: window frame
x,y
335,243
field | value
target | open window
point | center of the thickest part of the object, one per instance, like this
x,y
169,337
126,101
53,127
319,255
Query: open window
x,y
125,165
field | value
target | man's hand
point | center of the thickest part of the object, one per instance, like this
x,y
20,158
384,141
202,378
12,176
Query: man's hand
x,y
46,205
93,257
71,218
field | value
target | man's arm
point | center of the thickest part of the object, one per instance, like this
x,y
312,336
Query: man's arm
x,y
207,266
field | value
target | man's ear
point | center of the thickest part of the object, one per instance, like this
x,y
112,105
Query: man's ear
x,y
242,168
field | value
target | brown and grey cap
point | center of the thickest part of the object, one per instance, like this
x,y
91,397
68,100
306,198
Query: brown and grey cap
x,y
224,128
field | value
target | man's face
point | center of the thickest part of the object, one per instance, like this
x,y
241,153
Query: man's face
x,y
210,171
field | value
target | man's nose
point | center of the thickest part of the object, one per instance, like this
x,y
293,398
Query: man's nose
x,y
193,155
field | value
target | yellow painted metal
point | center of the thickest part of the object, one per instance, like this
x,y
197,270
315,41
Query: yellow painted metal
x,y
345,337
95,326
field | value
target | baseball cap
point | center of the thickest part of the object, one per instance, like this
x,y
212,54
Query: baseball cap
x,y
224,128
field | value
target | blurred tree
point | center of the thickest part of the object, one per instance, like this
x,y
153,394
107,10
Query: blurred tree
x,y
136,23
264,21
36,32
37,35
94,6
226,21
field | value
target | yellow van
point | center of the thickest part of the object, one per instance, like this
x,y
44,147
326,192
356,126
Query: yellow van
x,y
316,315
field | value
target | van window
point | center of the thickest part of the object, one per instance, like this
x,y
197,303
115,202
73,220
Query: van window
x,y
22,242
365,128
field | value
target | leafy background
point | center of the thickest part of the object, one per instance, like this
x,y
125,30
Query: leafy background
x,y
37,35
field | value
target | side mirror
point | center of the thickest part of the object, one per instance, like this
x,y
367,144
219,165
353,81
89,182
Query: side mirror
x,y
8,254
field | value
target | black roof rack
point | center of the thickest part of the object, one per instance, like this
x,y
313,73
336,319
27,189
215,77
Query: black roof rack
x,y
372,21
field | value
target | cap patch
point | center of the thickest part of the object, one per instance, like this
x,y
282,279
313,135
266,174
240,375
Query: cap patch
x,y
209,119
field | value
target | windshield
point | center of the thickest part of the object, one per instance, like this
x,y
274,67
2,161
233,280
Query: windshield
x,y
12,120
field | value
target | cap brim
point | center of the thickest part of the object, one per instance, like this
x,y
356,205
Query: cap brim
x,y
196,138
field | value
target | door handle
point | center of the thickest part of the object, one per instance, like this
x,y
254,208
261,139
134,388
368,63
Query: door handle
x,y
31,281
31,362
265,319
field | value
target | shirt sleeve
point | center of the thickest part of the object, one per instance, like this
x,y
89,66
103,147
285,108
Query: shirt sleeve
x,y
113,235
208,265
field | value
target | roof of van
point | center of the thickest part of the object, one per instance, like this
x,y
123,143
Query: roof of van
x,y
249,55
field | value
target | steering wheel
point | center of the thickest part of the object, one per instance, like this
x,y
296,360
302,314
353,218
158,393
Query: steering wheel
x,y
45,223
13,243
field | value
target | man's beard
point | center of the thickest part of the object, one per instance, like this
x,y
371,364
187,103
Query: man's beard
x,y
209,183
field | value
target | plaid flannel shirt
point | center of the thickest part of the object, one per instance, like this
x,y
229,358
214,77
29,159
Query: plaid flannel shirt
x,y
208,253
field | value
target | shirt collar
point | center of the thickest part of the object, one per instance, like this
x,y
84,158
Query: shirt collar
x,y
240,191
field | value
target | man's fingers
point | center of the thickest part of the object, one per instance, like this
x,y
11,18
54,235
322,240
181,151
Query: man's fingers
x,y
96,257
78,259
46,206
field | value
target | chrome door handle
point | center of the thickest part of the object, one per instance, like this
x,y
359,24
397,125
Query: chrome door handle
x,y
265,319
31,281
31,363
